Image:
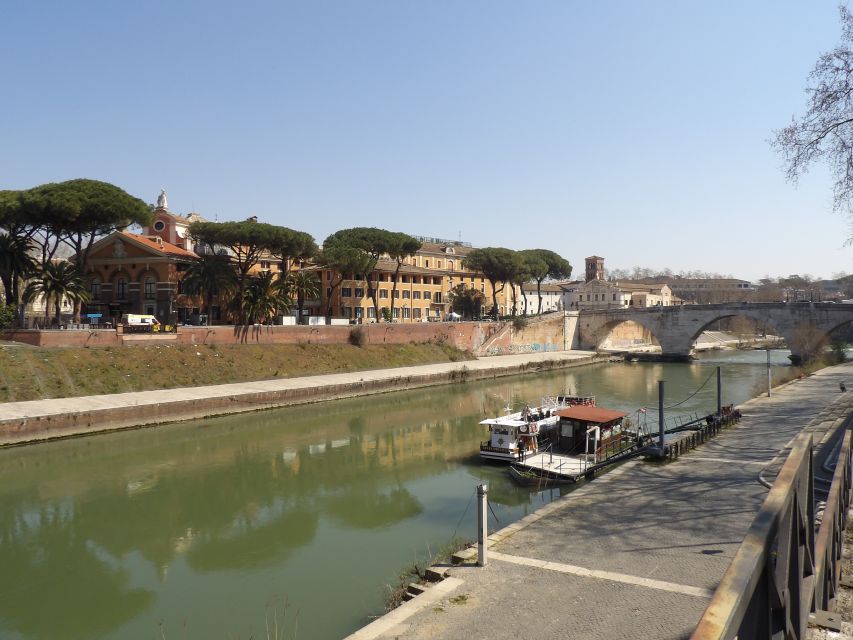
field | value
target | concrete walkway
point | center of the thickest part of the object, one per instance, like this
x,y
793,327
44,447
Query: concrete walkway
x,y
42,419
636,553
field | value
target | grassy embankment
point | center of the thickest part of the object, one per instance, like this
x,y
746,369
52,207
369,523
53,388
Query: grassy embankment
x,y
28,373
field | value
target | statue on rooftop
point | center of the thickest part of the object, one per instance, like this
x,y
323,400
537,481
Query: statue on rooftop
x,y
162,203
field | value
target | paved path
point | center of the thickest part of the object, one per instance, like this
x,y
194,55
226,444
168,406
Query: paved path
x,y
635,553
323,384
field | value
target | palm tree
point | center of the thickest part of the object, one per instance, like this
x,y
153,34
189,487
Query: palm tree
x,y
16,263
57,281
305,285
264,297
209,275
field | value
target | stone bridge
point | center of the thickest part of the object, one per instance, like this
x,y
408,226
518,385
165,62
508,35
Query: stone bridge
x,y
804,326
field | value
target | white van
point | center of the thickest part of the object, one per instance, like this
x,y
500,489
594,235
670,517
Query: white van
x,y
140,322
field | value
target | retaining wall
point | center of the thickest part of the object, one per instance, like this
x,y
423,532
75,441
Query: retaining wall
x,y
468,336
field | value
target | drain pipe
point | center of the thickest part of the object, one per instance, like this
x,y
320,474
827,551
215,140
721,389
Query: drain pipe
x,y
482,524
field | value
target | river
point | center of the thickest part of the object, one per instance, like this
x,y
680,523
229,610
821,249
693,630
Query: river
x,y
209,529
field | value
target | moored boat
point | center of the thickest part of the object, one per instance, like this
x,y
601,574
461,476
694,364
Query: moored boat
x,y
516,435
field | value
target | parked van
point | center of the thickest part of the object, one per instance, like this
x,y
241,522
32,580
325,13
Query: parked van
x,y
140,323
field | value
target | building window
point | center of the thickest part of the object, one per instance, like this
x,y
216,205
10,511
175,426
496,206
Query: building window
x,y
150,288
328,292
406,314
95,288
346,292
396,313
359,312
416,295
417,313
426,263
265,265
159,225
396,293
383,293
121,289
438,264
614,296
359,292
427,295
450,265
406,294
437,297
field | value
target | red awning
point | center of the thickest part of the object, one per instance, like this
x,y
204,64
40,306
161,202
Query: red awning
x,y
597,415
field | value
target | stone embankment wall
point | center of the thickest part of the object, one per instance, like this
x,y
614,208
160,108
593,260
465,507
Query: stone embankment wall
x,y
551,332
468,336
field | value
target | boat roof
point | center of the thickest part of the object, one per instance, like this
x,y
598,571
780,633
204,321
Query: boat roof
x,y
586,413
504,422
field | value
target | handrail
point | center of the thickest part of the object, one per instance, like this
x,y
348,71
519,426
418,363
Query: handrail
x,y
831,533
768,587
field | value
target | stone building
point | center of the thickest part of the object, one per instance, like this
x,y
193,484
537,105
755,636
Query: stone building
x,y
599,293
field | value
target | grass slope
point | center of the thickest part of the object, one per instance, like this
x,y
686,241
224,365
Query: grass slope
x,y
33,373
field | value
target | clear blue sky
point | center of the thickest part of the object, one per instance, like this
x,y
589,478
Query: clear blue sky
x,y
632,130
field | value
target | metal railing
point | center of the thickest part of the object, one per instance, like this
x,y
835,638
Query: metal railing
x,y
781,571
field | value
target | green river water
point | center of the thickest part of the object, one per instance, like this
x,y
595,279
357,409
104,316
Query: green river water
x,y
205,529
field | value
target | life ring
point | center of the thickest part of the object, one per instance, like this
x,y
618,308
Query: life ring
x,y
523,428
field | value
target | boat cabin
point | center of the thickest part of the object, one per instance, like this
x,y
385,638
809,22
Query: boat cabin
x,y
585,429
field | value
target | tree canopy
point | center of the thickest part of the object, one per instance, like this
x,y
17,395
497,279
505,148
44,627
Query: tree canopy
x,y
498,265
74,212
543,263
248,242
373,243
466,301
825,132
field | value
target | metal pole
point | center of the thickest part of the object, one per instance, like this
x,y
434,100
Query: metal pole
x,y
660,415
482,523
769,380
719,392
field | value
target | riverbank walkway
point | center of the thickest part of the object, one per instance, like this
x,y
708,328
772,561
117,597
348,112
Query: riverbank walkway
x,y
636,553
41,419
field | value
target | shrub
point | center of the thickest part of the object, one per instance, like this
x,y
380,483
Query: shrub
x,y
519,322
8,316
358,337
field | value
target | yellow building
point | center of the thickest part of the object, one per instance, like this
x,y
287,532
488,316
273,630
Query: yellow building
x,y
422,294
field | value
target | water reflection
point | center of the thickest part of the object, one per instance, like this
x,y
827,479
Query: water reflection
x,y
113,533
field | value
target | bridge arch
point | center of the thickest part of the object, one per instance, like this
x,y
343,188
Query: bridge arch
x,y
803,325
599,334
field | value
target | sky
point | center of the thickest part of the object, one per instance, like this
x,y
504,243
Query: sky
x,y
636,131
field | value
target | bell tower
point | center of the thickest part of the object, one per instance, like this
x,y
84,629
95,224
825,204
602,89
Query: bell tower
x,y
594,268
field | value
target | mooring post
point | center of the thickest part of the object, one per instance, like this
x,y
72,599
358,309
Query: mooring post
x,y
769,381
660,416
482,523
720,393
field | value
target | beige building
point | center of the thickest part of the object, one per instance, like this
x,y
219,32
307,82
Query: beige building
x,y
422,293
598,293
